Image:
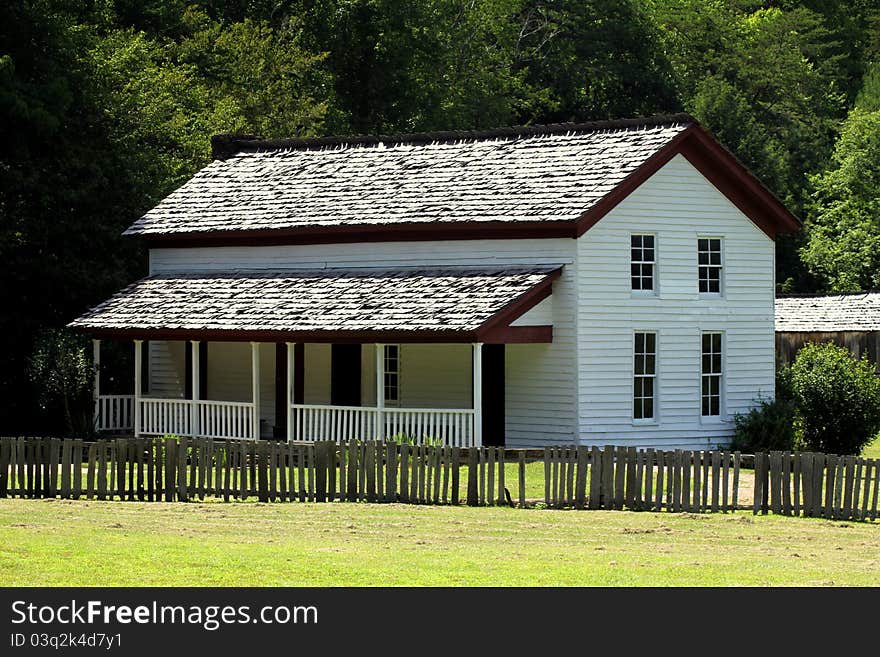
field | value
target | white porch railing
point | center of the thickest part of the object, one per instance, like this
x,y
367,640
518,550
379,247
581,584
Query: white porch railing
x,y
114,412
221,419
166,416
214,419
451,426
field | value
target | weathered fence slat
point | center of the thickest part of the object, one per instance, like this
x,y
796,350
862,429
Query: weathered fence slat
x,y
580,489
737,458
658,490
456,474
473,474
786,483
521,463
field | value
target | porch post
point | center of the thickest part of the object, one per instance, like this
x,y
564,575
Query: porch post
x,y
255,387
380,392
288,400
478,394
194,427
137,387
96,393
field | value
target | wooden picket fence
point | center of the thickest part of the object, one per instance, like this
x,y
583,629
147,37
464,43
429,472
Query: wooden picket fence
x,y
181,469
816,485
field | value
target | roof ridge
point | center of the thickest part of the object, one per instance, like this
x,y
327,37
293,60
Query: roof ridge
x,y
545,268
226,145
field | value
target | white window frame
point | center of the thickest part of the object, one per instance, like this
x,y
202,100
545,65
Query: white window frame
x,y
721,377
396,401
655,279
655,376
720,266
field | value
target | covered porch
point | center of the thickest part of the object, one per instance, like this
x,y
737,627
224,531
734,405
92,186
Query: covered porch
x,y
286,399
270,356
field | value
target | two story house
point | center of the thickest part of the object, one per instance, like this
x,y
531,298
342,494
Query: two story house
x,y
598,283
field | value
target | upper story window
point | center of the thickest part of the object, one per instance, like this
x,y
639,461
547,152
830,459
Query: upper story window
x,y
392,373
642,262
644,375
709,262
711,374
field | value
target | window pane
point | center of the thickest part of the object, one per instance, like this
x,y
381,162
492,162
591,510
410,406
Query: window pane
x,y
648,387
636,241
639,365
650,365
705,410
715,406
714,286
648,241
636,270
705,385
716,342
703,244
648,411
715,244
703,258
651,343
715,258
648,254
707,364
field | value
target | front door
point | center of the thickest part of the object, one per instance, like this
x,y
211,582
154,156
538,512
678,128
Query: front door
x,y
345,375
493,395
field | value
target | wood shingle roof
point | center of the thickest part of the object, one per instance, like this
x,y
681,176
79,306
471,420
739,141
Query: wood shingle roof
x,y
515,175
828,313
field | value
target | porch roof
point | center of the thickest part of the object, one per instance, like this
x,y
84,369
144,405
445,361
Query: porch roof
x,y
329,305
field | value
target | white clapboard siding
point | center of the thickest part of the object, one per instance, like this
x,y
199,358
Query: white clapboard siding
x,y
677,205
541,391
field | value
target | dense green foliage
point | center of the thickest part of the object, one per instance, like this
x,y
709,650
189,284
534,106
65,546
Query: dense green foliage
x,y
63,374
108,105
837,399
767,427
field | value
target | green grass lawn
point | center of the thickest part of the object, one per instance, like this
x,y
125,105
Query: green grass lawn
x,y
58,543
872,451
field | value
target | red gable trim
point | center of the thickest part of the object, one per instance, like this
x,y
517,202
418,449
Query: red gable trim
x,y
695,144
720,167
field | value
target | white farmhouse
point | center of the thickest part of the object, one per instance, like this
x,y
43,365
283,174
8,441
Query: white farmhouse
x,y
602,283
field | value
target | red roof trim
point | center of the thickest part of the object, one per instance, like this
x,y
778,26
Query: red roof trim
x,y
720,167
738,184
518,307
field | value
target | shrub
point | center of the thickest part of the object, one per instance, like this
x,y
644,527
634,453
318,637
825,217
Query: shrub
x,y
837,399
767,427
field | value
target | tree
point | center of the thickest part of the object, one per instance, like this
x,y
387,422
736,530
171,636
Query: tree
x,y
766,82
837,399
843,247
64,375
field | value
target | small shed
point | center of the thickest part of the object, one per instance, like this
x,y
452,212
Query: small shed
x,y
849,320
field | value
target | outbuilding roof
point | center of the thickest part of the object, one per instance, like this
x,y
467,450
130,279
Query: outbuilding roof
x,y
828,313
454,304
554,180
